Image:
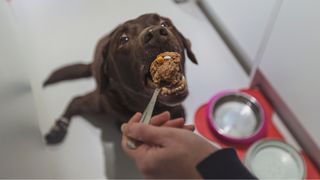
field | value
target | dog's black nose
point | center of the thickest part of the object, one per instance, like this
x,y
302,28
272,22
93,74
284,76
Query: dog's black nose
x,y
155,34
163,31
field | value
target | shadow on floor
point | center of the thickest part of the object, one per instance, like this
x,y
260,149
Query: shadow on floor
x,y
117,164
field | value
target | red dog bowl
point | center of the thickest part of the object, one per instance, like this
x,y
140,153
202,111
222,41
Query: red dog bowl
x,y
236,117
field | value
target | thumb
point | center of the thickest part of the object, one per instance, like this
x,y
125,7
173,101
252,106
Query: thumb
x,y
147,133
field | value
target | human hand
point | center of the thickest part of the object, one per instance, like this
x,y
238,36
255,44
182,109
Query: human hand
x,y
166,152
162,119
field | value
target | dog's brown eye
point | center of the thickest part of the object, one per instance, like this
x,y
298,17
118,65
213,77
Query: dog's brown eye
x,y
164,24
124,39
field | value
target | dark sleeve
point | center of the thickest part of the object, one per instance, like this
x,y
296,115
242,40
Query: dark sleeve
x,y
223,164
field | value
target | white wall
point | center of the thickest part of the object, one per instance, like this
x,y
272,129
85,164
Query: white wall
x,y
245,20
291,61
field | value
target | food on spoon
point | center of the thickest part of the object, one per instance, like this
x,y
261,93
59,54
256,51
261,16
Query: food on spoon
x,y
166,73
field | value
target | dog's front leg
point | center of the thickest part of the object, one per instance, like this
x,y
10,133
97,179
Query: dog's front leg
x,y
177,112
89,103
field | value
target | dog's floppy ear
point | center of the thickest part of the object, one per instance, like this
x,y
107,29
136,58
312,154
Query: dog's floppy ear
x,y
187,46
100,65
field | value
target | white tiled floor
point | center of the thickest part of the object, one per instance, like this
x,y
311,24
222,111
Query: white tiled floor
x,y
53,33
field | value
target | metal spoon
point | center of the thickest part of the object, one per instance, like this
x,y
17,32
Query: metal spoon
x,y
145,118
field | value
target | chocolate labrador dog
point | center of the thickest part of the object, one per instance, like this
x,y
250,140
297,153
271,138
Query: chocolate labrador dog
x,y
121,69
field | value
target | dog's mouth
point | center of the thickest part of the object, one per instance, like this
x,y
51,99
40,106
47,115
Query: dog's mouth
x,y
166,73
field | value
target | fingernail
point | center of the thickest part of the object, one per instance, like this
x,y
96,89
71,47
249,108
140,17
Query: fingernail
x,y
123,127
166,112
136,114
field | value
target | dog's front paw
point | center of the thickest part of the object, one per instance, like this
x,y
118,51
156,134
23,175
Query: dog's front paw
x,y
55,137
57,132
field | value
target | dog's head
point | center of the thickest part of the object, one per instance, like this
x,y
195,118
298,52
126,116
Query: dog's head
x,y
125,55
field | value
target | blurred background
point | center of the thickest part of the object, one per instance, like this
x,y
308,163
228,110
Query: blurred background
x,y
232,40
